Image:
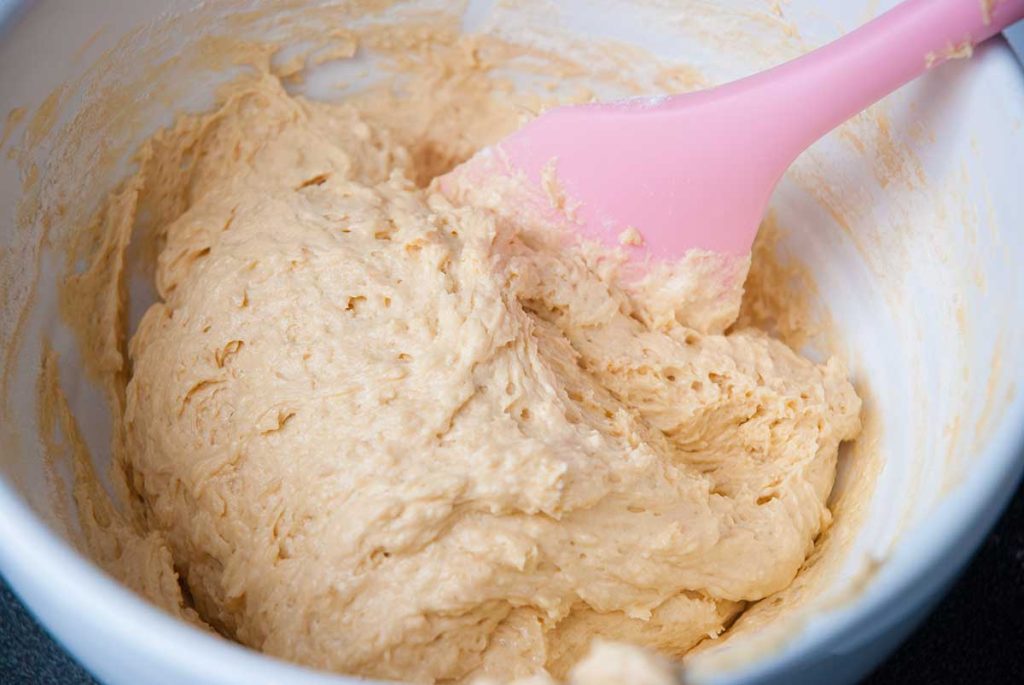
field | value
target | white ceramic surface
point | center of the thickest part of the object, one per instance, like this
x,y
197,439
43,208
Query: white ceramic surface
x,y
915,259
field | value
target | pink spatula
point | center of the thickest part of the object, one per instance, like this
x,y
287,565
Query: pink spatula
x,y
697,170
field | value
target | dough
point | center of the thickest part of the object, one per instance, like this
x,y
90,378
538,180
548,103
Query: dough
x,y
387,434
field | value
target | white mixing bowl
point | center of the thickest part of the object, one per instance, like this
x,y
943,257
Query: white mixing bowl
x,y
909,223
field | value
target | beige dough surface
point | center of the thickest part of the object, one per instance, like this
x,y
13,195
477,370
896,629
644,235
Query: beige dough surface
x,y
386,434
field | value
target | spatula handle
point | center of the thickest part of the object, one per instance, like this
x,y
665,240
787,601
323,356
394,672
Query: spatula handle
x,y
813,94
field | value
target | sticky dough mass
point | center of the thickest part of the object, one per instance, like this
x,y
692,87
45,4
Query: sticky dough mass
x,y
388,435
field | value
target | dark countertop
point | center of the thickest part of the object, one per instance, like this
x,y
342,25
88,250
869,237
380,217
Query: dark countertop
x,y
975,636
